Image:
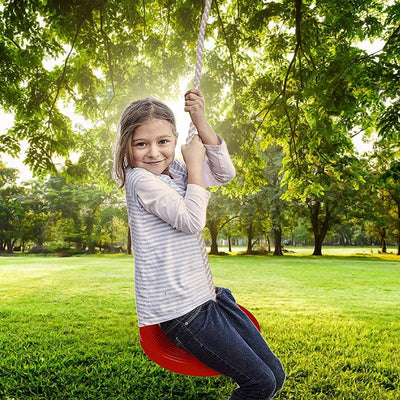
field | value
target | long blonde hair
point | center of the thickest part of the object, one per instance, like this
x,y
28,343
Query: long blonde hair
x,y
134,115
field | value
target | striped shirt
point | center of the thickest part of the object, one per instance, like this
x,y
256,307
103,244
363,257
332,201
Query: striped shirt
x,y
166,217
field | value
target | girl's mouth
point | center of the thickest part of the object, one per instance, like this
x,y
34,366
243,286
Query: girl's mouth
x,y
154,162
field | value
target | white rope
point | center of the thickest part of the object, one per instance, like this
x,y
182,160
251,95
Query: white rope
x,y
199,59
192,132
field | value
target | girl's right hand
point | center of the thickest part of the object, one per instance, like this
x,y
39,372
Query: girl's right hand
x,y
194,153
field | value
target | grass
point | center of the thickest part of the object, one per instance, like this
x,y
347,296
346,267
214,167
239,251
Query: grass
x,y
69,331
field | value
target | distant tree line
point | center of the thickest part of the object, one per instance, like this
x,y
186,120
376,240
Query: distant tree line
x,y
58,215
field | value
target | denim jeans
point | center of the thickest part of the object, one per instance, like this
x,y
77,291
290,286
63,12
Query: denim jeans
x,y
221,336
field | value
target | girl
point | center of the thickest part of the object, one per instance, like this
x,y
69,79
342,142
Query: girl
x,y
167,205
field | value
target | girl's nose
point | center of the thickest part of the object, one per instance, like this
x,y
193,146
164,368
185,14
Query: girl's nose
x,y
153,151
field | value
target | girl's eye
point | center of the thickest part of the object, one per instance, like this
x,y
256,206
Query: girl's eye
x,y
163,141
140,144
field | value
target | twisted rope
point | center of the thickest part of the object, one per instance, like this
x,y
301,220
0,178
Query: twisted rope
x,y
199,60
192,132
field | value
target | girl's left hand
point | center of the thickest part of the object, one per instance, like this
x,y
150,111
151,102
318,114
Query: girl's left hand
x,y
195,106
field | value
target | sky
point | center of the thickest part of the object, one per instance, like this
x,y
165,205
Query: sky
x,y
182,121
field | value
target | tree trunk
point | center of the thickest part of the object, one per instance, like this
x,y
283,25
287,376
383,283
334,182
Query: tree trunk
x,y
317,245
383,246
79,246
129,242
250,239
319,228
213,229
214,244
229,244
9,246
382,239
398,227
278,241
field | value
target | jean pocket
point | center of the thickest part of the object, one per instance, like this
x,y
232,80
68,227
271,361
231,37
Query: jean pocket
x,y
169,326
191,315
178,343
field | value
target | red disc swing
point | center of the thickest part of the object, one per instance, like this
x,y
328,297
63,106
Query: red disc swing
x,y
152,339
169,356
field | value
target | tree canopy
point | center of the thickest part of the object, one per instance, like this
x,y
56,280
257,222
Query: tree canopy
x,y
289,73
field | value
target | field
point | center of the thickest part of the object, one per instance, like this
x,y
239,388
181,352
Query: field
x,y
68,328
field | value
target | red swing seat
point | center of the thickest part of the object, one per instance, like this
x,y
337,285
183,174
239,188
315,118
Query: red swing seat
x,y
169,356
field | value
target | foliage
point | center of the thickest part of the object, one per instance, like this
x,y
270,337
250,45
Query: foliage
x,y
11,209
96,55
221,211
310,88
289,73
55,213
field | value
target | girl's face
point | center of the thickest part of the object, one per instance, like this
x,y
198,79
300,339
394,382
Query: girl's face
x,y
153,146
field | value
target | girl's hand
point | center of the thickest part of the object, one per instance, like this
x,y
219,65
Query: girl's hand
x,y
194,153
195,106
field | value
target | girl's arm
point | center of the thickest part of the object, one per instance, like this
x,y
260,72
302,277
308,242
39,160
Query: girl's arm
x,y
195,106
218,168
186,214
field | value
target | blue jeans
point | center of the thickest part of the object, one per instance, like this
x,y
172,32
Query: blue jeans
x,y
221,336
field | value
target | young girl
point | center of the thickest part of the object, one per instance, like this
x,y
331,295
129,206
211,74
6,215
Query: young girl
x,y
167,206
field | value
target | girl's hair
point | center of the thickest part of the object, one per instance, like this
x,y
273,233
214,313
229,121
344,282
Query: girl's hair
x,y
134,115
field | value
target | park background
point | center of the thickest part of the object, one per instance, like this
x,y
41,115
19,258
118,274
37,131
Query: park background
x,y
306,95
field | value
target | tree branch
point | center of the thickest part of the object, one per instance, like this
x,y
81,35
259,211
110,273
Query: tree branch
x,y
13,42
59,83
298,44
282,93
226,39
109,59
292,136
397,30
357,133
227,221
144,17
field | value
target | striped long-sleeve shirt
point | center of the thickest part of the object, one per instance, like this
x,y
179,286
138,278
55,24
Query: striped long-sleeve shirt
x,y
166,216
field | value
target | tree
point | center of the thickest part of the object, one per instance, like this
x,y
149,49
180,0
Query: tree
x,y
253,218
390,184
105,54
11,209
221,211
38,218
274,191
311,88
81,208
112,222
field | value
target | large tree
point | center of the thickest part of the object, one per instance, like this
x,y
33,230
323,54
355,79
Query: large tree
x,y
95,55
309,86
221,210
11,208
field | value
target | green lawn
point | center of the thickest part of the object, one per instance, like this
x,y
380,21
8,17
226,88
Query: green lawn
x,y
69,331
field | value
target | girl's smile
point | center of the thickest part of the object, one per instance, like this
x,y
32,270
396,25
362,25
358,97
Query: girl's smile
x,y
153,146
